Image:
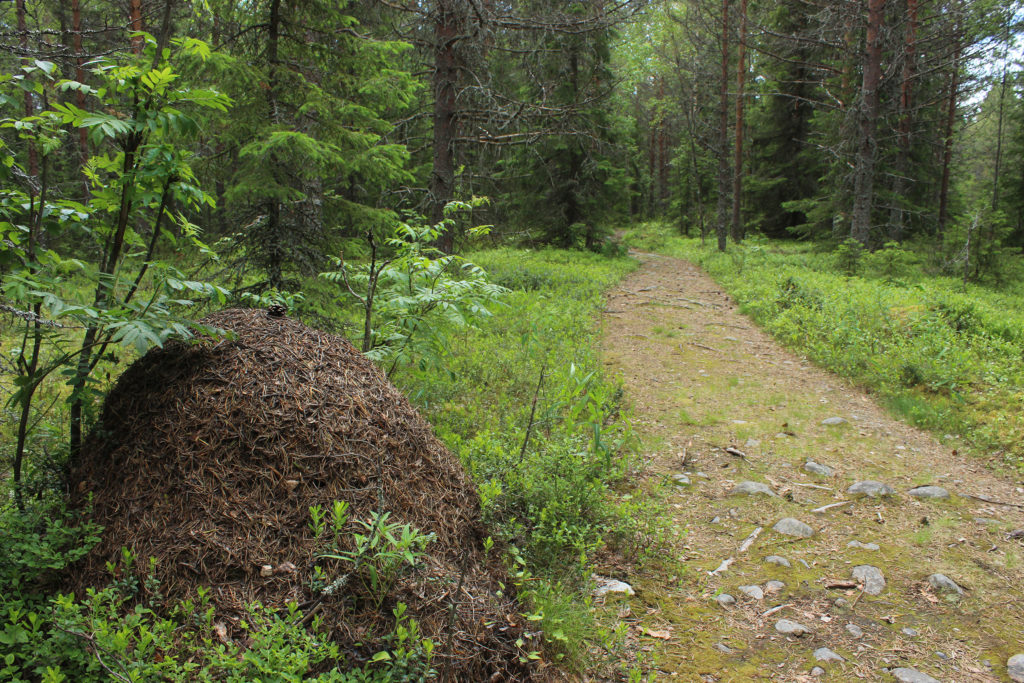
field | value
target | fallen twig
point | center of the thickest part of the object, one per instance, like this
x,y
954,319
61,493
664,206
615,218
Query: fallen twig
x,y
832,505
750,539
986,499
775,609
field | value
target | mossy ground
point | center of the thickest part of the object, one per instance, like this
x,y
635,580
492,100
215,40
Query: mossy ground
x,y
702,378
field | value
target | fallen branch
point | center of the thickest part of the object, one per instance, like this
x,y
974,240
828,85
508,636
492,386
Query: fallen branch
x,y
986,499
832,505
775,609
840,583
750,539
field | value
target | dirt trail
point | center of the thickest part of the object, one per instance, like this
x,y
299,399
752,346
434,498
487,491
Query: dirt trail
x,y
703,379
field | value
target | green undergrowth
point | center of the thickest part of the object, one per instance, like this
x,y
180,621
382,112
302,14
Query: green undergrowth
x,y
947,356
522,400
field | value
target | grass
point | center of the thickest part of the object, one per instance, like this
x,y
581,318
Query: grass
x,y
945,356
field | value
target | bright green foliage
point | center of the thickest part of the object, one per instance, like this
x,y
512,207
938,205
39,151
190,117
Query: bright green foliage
x,y
380,553
89,265
414,296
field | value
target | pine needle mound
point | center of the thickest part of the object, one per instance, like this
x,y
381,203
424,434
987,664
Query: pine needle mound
x,y
209,455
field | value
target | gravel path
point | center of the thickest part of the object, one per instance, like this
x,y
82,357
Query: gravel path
x,y
788,464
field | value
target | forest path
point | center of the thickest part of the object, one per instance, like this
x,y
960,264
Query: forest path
x,y
701,379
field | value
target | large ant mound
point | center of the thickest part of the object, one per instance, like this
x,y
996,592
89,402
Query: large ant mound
x,y
209,456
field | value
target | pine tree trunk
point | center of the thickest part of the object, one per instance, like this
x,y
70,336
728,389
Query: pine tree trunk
x,y
947,148
447,26
722,218
135,24
737,162
897,216
864,170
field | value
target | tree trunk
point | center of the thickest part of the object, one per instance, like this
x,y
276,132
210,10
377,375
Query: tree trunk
x,y
897,216
737,161
447,29
722,218
999,142
33,157
83,133
947,148
864,170
135,24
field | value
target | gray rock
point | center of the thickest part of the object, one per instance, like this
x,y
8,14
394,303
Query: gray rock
x,y
778,559
702,475
725,649
942,655
716,520
905,675
841,603
773,587
871,577
910,632
793,527
1016,533
818,468
751,488
752,443
872,489
987,521
752,592
823,654
725,600
934,492
855,631
817,672
944,584
791,628
606,586
1015,667
681,479
862,546
832,421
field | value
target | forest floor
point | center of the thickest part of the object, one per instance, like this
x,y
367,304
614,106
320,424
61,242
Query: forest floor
x,y
717,400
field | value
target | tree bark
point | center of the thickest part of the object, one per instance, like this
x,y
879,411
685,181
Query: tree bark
x,y
737,162
947,147
723,135
135,24
864,170
447,29
897,216
999,142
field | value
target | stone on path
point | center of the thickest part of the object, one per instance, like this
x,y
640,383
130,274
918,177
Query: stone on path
x,y
855,631
723,648
752,592
1015,667
905,675
818,468
752,443
944,584
823,654
793,527
791,628
871,577
832,421
751,488
910,632
817,672
606,586
862,546
773,587
681,480
933,492
779,560
872,489
725,600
